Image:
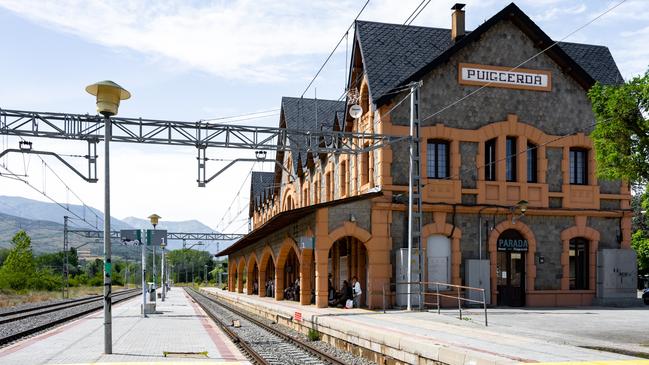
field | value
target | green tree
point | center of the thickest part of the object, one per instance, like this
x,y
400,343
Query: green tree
x,y
18,270
621,135
4,252
640,243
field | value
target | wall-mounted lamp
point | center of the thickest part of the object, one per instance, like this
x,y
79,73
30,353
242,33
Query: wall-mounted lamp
x,y
25,145
521,206
352,218
260,155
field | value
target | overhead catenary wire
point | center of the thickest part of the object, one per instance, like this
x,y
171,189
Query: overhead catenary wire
x,y
236,196
47,196
241,115
414,16
345,34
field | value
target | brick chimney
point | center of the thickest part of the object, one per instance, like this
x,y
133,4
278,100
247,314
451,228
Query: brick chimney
x,y
457,22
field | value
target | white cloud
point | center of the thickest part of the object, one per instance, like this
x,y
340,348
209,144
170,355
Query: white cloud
x,y
557,12
241,40
254,40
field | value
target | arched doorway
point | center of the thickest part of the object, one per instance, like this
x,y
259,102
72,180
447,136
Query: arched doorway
x,y
267,275
253,280
292,277
512,248
348,258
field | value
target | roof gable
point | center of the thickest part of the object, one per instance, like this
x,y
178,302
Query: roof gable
x,y
309,115
261,188
394,55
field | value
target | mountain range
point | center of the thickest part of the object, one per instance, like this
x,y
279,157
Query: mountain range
x,y
44,223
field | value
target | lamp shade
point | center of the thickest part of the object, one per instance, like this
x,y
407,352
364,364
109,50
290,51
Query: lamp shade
x,y
154,218
108,94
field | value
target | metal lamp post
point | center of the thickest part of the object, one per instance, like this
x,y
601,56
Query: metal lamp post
x,y
163,244
108,95
154,218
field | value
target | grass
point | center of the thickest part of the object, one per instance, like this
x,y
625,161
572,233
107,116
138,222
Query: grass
x,y
10,298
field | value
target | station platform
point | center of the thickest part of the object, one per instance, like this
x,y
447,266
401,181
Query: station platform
x,y
179,329
430,338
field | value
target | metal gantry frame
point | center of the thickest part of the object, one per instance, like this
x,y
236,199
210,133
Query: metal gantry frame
x,y
189,236
200,135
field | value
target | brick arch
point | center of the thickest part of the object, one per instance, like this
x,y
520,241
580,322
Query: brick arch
x,y
266,253
289,192
593,236
241,265
250,265
350,229
439,227
284,249
287,245
530,263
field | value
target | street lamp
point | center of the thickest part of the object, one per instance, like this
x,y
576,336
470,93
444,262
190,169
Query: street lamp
x,y
154,218
108,95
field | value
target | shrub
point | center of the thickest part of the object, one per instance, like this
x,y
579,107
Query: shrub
x,y
314,335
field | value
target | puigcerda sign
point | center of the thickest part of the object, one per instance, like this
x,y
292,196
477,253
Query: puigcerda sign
x,y
504,77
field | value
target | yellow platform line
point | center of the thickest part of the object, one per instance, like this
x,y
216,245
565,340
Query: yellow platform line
x,y
603,362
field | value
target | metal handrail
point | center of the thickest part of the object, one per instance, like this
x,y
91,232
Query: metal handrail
x,y
446,287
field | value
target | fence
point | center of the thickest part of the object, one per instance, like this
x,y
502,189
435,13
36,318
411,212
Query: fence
x,y
442,290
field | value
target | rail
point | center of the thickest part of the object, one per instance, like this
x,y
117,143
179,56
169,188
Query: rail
x,y
441,290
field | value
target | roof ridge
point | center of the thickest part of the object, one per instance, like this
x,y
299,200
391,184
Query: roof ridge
x,y
402,25
308,99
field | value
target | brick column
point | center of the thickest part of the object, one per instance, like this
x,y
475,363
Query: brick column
x,y
249,281
306,265
321,271
262,283
239,281
279,283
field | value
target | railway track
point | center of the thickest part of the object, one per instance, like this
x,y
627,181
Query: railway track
x,y
21,323
262,343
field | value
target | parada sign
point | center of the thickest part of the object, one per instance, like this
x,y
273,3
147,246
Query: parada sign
x,y
505,77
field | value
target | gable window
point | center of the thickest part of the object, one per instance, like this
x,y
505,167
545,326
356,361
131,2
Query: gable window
x,y
579,166
510,159
329,187
532,164
490,160
578,261
316,191
305,196
343,178
365,168
437,159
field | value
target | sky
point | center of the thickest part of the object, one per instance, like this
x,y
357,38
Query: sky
x,y
193,60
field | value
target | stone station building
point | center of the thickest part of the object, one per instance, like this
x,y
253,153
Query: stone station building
x,y
520,137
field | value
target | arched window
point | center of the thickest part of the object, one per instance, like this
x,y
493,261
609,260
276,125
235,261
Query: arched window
x,y
578,261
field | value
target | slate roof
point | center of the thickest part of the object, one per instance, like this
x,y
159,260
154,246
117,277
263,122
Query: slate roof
x,y
596,60
300,113
261,188
394,53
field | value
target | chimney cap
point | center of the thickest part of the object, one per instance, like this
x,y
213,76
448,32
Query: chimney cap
x,y
458,6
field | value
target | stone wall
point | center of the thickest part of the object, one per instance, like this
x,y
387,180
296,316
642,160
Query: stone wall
x,y
609,230
468,169
342,213
554,175
564,110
